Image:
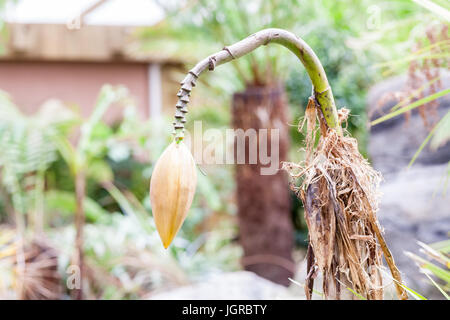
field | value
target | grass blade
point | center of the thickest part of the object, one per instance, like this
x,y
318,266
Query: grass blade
x,y
411,106
413,293
424,264
356,294
302,285
422,146
437,286
414,93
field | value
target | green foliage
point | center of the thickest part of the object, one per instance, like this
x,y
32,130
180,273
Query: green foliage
x,y
122,248
93,134
437,264
27,151
350,38
203,26
60,206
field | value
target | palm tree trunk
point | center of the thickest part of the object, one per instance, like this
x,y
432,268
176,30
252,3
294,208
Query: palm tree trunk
x,y
265,224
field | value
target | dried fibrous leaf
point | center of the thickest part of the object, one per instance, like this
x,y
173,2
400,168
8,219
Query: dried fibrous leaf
x,y
311,268
172,189
37,273
339,190
310,118
322,226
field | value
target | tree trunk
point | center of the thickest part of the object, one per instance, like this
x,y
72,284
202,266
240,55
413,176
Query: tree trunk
x,y
265,224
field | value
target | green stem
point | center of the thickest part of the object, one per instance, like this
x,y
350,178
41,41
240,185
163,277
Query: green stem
x,y
321,88
316,72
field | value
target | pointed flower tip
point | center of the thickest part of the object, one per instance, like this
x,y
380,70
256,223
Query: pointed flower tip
x,y
165,241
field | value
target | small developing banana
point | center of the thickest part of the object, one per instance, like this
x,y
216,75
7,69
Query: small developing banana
x,y
172,188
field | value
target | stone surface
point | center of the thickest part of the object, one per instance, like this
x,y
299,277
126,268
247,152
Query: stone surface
x,y
415,205
242,285
393,143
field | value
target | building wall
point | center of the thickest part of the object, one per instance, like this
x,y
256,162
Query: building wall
x,y
32,83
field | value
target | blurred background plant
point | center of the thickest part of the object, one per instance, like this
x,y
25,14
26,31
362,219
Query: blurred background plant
x,y
436,263
40,197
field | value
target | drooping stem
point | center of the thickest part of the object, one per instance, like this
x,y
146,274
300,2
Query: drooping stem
x,y
321,88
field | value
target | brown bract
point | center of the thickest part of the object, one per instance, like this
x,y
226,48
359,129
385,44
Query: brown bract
x,y
172,189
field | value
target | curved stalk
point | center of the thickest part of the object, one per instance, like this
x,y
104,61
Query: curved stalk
x,y
321,89
322,94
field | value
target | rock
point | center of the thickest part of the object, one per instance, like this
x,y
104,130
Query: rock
x,y
242,285
393,143
414,207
